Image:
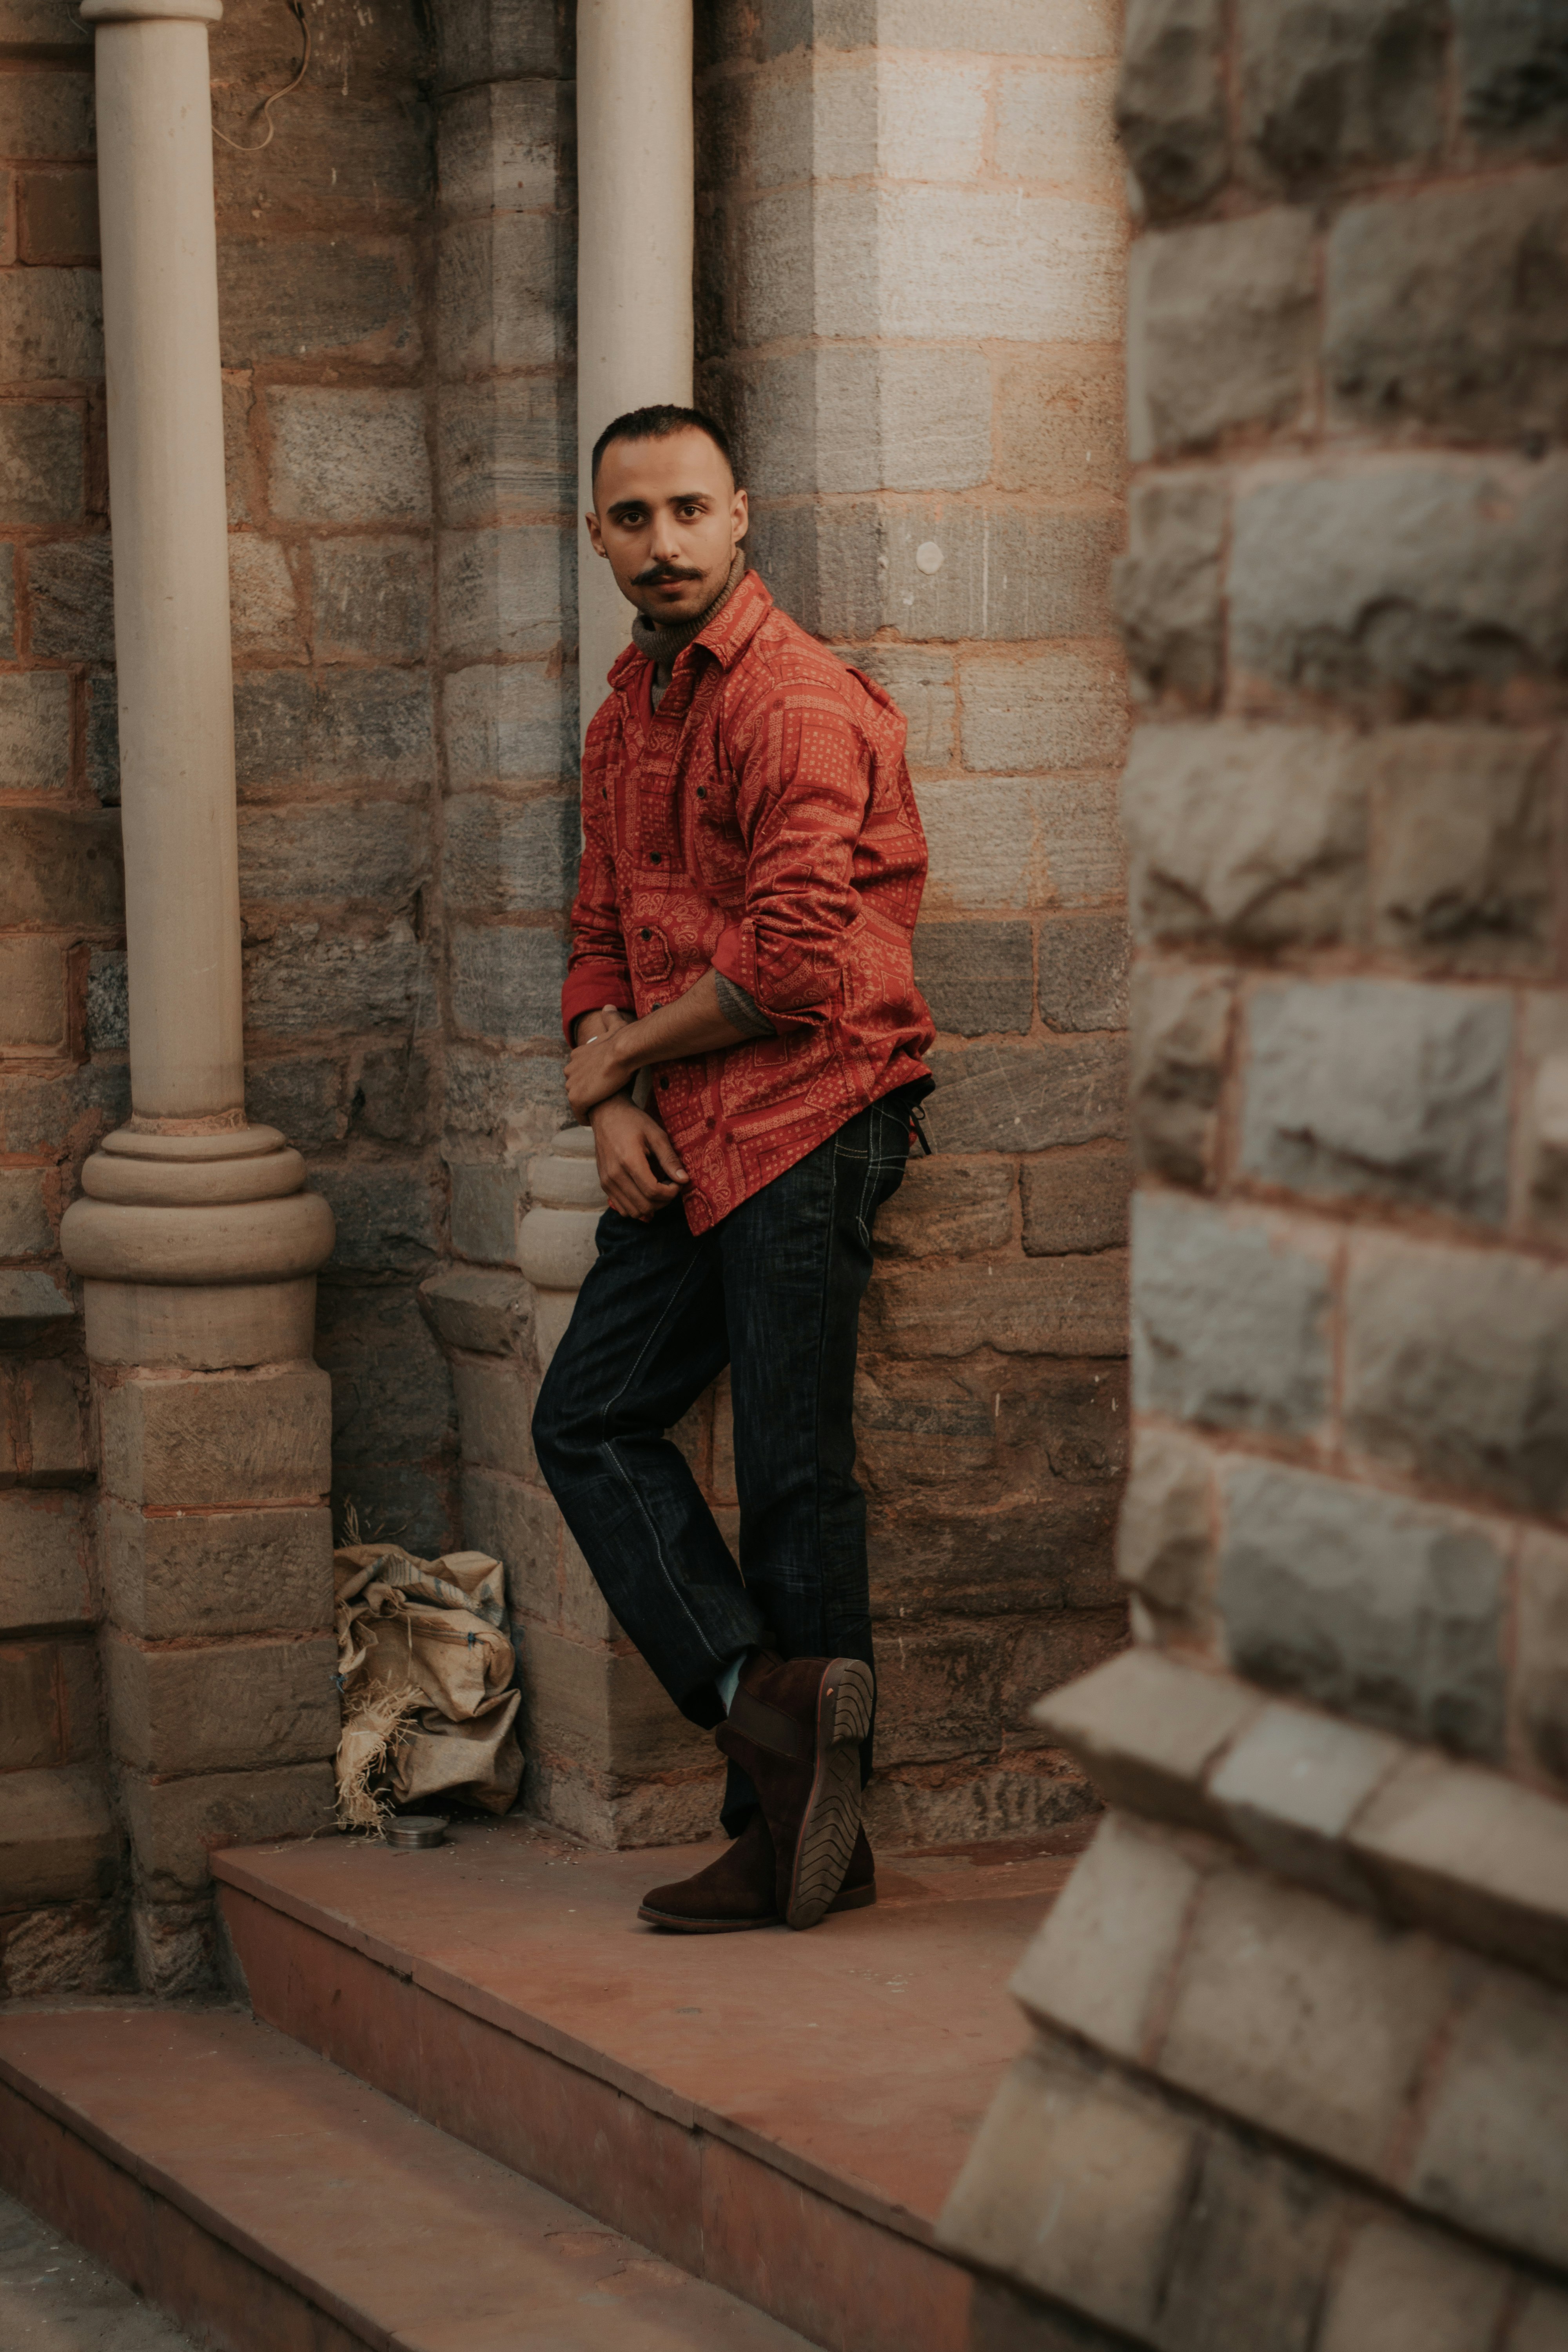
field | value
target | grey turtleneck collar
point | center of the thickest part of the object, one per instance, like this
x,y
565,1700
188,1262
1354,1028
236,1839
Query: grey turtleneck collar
x,y
661,646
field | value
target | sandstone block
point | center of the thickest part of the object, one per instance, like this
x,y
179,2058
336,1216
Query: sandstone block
x,y
1167,588
504,293
222,1707
872,419
590,1708
40,463
495,1408
331,851
108,1002
8,603
1181,1034
1475,1855
1100,1962
392,1099
60,867
72,585
1404,344
1488,2155
1105,2161
1255,2255
1146,1731
1463,823
33,1732
1341,88
1229,1321
1290,1787
492,1313
947,1208
102,745
1256,836
488,1089
1384,1610
33,1014
1540,1685
1543,2322
392,1387
370,596
52,1412
35,1112
1165,1538
35,730
297,297
508,858
348,457
1170,101
334,726
386,1217
1309,2020
1456,1367
56,215
506,982
504,592
939,1695
1059,127
1410,2290
1011,844
31,1295
51,325
1407,579
299,982
1510,78
216,1439
1002,573
1083,972
485,40
1045,29
500,146
1391,1091
512,725
1029,1098
181,1573
486,1198
1222,330
1076,1200
178,1825
1058,425
57,1843
504,449
1039,1306
977,978
303,1099
263,598
47,114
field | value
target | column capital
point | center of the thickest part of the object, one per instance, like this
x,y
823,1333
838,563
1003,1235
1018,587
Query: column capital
x,y
135,12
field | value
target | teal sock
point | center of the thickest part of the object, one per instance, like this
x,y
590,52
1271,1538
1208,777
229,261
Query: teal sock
x,y
729,1681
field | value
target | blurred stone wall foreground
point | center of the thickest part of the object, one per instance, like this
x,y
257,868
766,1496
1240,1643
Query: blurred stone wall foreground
x,y
1301,2079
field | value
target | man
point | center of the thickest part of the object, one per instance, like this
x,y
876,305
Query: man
x,y
752,865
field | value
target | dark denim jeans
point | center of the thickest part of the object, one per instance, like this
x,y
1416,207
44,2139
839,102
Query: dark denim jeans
x,y
774,1292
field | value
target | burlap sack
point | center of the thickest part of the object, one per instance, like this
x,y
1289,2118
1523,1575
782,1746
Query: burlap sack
x,y
425,1669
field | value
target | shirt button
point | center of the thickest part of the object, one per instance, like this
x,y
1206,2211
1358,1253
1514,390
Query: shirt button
x,y
712,1122
644,935
656,857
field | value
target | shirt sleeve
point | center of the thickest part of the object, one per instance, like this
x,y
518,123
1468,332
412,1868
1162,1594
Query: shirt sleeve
x,y
597,973
741,1011
804,778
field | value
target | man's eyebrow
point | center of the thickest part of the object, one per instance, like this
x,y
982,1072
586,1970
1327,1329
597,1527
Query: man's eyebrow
x,y
680,498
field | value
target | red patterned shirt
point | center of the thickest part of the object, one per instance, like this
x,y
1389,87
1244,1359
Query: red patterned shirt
x,y
760,821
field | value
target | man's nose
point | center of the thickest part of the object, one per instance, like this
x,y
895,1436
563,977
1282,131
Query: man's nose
x,y
664,546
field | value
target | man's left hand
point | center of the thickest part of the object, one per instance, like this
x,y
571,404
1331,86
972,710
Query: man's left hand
x,y
594,1072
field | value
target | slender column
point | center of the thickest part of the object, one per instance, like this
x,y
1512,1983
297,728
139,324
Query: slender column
x,y
635,178
187,1201
197,1241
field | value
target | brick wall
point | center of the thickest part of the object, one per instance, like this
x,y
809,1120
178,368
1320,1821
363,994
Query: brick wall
x,y
911,240
1339,1922
62,1077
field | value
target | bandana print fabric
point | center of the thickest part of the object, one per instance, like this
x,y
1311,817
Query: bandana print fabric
x,y
760,821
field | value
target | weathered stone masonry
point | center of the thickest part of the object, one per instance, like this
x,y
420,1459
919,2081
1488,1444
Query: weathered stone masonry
x,y
1303,2064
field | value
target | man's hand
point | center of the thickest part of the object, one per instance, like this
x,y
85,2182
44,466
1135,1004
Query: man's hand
x,y
639,1168
592,1076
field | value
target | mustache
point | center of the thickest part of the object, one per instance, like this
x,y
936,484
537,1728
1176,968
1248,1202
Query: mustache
x,y
657,575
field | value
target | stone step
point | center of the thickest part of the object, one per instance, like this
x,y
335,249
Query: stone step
x,y
272,2203
781,2114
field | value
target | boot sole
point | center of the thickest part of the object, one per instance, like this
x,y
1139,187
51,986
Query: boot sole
x,y
827,1831
854,1898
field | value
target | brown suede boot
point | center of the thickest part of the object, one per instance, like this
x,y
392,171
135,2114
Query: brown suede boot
x,y
724,1898
735,1892
795,1727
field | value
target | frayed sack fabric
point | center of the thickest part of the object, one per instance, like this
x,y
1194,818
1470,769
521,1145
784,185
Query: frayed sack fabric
x,y
425,1671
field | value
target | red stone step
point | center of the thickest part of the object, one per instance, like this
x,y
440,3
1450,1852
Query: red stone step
x,y
274,2204
781,2114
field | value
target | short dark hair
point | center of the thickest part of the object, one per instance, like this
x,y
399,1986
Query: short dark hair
x,y
657,424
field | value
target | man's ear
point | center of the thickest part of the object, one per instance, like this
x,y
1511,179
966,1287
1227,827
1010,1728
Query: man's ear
x,y
740,516
595,536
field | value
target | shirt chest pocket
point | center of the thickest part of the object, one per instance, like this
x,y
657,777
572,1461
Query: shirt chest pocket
x,y
650,951
717,847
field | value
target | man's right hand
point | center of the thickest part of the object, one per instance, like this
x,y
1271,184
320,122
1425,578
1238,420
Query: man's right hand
x,y
639,1168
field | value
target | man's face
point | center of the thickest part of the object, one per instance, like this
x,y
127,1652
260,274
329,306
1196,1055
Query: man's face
x,y
669,518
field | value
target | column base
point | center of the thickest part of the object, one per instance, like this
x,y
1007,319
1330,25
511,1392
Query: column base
x,y
202,1327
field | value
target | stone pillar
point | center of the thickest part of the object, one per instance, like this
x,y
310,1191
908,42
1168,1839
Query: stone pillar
x,y
634,161
196,1241
1302,2064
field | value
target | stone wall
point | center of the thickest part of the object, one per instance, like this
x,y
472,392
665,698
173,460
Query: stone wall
x,y
1303,2014
62,1072
910,258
